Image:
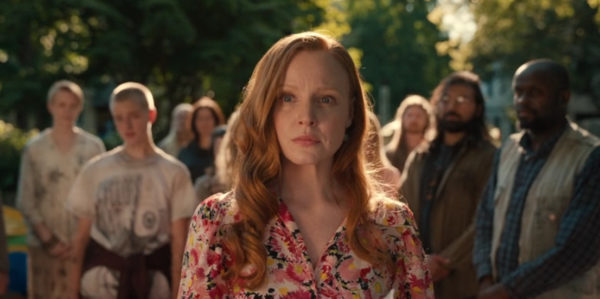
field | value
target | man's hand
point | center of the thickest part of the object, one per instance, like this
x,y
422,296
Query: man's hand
x,y
60,250
496,291
438,266
485,282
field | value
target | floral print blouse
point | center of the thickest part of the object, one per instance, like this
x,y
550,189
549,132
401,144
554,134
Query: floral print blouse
x,y
340,273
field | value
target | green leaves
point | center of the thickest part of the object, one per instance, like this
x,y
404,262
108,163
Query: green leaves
x,y
398,45
182,49
512,32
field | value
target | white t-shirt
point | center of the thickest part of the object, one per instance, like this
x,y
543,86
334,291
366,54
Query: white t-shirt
x,y
132,202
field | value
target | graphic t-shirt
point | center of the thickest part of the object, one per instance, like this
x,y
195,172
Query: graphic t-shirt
x,y
132,204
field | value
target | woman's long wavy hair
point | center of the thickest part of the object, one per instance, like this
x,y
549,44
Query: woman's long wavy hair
x,y
258,163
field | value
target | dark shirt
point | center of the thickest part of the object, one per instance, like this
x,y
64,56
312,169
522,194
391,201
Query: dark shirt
x,y
436,165
577,246
530,164
196,159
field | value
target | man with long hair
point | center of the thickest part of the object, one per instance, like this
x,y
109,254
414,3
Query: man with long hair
x,y
443,182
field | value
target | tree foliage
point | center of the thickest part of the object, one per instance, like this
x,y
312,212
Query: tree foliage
x,y
397,42
180,48
12,142
510,32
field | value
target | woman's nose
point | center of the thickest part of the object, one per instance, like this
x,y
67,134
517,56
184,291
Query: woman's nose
x,y
306,115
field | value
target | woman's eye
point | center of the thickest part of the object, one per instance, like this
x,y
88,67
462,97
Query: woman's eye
x,y
286,98
326,100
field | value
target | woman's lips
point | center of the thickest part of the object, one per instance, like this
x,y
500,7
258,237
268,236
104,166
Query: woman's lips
x,y
305,140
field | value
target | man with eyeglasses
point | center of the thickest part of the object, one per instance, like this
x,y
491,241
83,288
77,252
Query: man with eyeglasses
x,y
443,181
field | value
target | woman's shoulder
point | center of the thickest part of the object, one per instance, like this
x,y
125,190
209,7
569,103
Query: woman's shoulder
x,y
220,208
390,213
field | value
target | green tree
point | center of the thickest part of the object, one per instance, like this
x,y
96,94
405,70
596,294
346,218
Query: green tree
x,y
511,32
12,142
398,45
180,48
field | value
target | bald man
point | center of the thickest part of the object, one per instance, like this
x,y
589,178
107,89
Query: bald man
x,y
538,221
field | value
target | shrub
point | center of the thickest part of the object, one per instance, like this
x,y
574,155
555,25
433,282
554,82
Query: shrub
x,y
12,141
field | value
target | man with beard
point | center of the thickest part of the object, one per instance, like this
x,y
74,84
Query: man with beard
x,y
537,224
443,181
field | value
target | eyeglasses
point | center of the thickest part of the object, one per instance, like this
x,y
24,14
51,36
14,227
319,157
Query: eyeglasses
x,y
458,101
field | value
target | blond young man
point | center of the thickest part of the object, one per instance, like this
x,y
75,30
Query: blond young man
x,y
134,204
49,165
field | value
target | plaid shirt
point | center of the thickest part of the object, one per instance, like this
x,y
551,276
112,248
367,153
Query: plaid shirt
x,y
577,244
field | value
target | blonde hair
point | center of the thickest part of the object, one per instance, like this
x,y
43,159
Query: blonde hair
x,y
224,162
259,166
412,100
375,155
65,85
133,91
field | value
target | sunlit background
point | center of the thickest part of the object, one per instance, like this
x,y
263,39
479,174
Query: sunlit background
x,y
184,49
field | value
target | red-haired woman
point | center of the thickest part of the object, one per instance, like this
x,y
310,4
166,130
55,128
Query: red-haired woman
x,y
304,218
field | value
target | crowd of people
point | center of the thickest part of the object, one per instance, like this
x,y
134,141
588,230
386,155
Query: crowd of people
x,y
302,194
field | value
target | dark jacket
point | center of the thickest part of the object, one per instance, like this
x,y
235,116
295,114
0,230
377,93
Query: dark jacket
x,y
453,210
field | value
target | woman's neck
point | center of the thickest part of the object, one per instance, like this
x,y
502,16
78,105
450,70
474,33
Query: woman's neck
x,y
307,185
204,142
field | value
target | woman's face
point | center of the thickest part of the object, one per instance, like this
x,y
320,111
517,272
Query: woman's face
x,y
414,120
312,110
205,122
